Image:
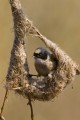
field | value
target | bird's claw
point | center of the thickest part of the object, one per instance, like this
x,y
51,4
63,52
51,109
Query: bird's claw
x,y
31,75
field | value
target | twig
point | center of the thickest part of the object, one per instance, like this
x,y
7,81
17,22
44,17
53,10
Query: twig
x,y
31,108
5,97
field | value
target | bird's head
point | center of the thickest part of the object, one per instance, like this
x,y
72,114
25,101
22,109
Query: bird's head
x,y
41,53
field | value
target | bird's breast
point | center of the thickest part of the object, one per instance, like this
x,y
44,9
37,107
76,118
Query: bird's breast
x,y
43,67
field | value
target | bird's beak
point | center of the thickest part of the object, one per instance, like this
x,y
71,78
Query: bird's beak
x,y
33,56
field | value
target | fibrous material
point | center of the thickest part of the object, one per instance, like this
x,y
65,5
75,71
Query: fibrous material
x,y
18,78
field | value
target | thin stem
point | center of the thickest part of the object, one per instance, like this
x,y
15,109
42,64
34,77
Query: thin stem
x,y
31,108
5,97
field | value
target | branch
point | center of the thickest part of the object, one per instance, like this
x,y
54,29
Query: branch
x,y
18,78
31,108
2,108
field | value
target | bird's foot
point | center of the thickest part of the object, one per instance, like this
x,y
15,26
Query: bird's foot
x,y
50,75
31,75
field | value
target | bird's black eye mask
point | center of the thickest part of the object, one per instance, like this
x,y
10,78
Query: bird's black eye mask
x,y
43,56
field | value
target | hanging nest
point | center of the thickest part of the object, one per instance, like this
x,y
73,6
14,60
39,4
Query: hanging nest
x,y
18,79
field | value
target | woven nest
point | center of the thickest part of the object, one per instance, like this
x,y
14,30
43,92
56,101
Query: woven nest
x,y
18,79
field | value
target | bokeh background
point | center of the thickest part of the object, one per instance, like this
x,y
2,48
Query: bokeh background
x,y
59,20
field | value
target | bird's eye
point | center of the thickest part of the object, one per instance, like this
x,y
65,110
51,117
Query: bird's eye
x,y
42,55
36,55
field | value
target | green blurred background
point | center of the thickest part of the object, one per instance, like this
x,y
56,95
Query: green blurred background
x,y
59,20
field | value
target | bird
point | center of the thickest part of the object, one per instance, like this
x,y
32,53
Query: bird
x,y
44,61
